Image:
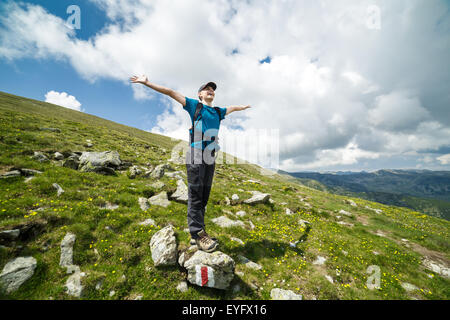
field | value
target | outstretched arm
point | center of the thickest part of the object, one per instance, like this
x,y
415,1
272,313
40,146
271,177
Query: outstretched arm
x,y
167,91
231,109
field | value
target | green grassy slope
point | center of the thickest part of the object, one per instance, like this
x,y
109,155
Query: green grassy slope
x,y
112,247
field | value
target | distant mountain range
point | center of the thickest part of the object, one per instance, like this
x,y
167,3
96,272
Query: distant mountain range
x,y
427,191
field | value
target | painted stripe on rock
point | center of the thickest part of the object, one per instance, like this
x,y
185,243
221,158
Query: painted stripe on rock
x,y
204,276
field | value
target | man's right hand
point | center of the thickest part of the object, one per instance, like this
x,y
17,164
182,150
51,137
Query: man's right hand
x,y
169,92
142,79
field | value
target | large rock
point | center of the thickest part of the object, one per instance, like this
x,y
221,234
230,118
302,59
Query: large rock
x,y
225,222
163,246
74,286
143,203
66,258
160,199
10,174
158,172
8,235
39,156
436,267
214,270
72,162
16,272
100,162
181,194
134,171
58,156
281,294
258,197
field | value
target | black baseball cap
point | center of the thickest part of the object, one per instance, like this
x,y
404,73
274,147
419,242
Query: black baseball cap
x,y
210,84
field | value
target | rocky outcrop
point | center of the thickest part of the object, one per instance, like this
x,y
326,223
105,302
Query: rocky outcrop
x,y
16,272
105,162
163,247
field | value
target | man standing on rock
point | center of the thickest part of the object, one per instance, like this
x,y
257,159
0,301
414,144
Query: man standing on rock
x,y
200,160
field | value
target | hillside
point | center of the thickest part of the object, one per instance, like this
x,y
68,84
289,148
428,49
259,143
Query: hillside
x,y
421,190
342,238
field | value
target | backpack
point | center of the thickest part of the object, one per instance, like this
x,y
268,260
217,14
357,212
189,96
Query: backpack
x,y
196,114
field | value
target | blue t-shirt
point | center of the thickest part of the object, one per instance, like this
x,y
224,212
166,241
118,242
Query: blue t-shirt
x,y
208,121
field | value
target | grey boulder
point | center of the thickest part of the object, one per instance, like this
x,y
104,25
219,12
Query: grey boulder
x,y
214,270
258,197
163,246
181,194
100,162
160,199
281,294
16,272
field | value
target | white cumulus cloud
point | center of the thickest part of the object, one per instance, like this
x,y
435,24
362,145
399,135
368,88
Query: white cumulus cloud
x,y
63,99
340,93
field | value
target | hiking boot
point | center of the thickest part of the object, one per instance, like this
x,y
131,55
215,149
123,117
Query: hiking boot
x,y
193,242
205,243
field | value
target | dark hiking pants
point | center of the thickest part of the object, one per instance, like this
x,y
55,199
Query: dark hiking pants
x,y
199,177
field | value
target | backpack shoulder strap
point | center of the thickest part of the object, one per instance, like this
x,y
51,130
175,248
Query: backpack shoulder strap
x,y
197,112
218,112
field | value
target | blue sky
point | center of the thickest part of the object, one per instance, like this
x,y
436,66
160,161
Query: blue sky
x,y
348,85
107,98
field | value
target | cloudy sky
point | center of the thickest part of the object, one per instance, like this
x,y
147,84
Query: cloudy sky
x,y
333,85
